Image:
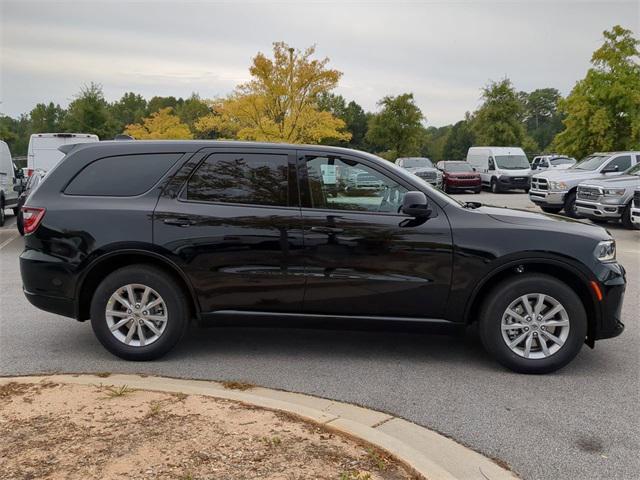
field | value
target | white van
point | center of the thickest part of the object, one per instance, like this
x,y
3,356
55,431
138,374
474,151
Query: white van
x,y
501,168
43,153
8,196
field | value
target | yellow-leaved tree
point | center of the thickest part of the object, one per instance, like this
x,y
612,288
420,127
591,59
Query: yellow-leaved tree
x,y
161,125
279,103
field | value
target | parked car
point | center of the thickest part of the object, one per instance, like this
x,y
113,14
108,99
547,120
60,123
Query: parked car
x,y
43,153
459,175
32,183
422,167
556,190
10,179
635,209
552,162
609,199
501,168
210,230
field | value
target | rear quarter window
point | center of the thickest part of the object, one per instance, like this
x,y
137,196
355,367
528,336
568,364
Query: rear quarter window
x,y
121,176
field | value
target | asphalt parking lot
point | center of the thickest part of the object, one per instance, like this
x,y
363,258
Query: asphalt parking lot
x,y
581,422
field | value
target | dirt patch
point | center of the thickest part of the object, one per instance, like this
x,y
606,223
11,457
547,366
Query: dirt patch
x,y
57,431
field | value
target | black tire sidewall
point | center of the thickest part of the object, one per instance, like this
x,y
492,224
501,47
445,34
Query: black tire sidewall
x,y
570,205
2,214
171,293
505,293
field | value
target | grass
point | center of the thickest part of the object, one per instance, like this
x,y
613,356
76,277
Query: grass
x,y
355,476
115,392
272,442
237,385
378,460
103,374
154,409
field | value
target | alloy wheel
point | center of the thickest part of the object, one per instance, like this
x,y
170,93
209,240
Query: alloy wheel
x,y
136,315
535,326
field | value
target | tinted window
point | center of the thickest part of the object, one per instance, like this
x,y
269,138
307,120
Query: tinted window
x,y
121,176
259,179
343,184
622,163
562,161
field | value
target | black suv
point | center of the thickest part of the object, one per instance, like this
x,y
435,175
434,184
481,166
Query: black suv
x,y
142,237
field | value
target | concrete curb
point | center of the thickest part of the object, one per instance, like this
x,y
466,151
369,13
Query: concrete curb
x,y
432,455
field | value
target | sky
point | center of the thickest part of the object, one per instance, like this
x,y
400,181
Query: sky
x,y
442,51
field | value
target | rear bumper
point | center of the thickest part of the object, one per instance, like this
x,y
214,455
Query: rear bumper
x,y
58,305
613,288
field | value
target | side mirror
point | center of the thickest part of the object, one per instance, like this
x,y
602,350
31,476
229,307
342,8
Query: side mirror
x,y
612,169
415,205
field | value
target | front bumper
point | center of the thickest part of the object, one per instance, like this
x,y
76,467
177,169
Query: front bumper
x,y
547,198
506,183
599,210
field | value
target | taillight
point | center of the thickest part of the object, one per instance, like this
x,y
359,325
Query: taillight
x,y
29,172
31,218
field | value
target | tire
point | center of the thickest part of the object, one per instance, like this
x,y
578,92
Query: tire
x,y
551,209
494,186
626,218
20,223
174,309
445,189
526,190
478,190
2,214
505,295
570,205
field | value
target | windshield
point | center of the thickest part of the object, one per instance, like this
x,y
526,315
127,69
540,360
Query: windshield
x,y
635,170
458,167
416,162
512,162
592,162
562,161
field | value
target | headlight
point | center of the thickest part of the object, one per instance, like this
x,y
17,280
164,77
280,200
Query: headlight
x,y
605,251
557,185
614,192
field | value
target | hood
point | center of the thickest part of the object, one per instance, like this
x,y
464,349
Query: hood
x,y
619,181
566,174
545,221
421,169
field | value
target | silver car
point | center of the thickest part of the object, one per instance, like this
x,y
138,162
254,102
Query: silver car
x,y
422,167
611,199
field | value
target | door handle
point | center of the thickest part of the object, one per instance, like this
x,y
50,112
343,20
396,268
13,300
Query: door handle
x,y
180,221
326,230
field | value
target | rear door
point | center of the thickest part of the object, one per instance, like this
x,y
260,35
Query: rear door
x,y
231,220
362,257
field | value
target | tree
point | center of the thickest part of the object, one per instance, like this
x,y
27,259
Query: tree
x,y
395,131
498,122
46,118
279,103
89,113
129,109
459,139
158,103
541,117
603,109
161,125
192,109
352,114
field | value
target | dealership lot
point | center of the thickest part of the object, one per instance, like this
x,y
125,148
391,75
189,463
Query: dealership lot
x,y
582,419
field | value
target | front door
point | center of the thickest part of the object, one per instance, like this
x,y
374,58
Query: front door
x,y
232,222
362,257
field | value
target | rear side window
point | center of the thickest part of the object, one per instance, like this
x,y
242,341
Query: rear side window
x,y
257,179
122,176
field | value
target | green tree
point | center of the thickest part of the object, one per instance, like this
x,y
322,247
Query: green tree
x,y
131,108
396,130
89,113
192,109
603,109
158,103
352,114
46,118
459,139
498,122
541,117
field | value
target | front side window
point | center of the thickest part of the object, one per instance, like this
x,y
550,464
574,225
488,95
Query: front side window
x,y
591,162
343,184
623,163
121,176
255,178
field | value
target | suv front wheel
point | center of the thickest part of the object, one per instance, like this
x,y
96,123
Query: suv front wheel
x,y
139,313
533,323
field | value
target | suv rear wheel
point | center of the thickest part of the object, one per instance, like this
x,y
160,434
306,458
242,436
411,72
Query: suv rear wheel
x,y
533,324
139,313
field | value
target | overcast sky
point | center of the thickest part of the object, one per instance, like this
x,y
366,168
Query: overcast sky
x,y
442,51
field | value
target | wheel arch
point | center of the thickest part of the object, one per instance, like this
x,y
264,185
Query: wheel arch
x,y
108,263
563,271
